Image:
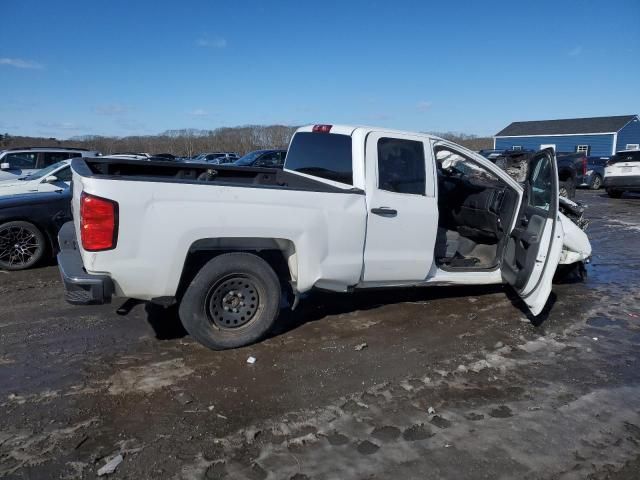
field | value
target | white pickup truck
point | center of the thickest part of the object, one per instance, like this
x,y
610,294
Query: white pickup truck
x,y
353,208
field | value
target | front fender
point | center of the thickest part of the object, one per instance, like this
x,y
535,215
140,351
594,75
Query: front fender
x,y
576,246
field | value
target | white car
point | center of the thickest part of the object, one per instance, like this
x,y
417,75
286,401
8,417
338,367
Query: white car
x,y
622,173
53,178
354,208
19,162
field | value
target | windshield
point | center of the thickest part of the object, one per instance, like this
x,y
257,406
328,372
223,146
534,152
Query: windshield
x,y
44,172
247,159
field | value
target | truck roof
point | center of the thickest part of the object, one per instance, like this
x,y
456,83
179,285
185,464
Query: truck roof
x,y
350,129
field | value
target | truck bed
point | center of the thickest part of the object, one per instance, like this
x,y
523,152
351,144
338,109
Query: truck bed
x,y
194,173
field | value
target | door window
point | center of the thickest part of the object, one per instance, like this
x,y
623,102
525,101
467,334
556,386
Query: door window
x,y
268,160
54,157
401,166
21,160
540,184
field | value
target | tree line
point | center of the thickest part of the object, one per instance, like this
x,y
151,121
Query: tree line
x,y
190,142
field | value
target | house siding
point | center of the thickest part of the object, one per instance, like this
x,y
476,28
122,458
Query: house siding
x,y
601,145
630,133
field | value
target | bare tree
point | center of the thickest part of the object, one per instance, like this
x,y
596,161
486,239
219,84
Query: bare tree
x,y
189,142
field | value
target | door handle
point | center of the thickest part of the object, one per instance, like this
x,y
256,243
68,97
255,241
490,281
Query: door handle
x,y
384,211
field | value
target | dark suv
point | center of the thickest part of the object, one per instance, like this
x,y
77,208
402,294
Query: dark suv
x,y
263,158
18,162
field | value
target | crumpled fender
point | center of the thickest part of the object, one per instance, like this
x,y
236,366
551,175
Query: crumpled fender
x,y
576,246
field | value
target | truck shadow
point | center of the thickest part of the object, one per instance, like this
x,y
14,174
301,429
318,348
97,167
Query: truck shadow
x,y
164,321
318,305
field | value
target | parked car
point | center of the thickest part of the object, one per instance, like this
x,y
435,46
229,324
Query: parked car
x,y
18,162
592,173
29,225
622,173
492,153
354,208
217,158
50,179
262,158
146,157
516,162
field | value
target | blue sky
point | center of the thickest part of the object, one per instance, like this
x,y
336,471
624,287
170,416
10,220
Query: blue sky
x,y
121,67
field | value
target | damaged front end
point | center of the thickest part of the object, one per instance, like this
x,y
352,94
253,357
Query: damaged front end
x,y
576,247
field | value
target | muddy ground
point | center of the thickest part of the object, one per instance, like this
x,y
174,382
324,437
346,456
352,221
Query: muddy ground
x,y
452,383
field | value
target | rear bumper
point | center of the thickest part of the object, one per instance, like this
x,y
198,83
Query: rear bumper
x,y
630,182
81,288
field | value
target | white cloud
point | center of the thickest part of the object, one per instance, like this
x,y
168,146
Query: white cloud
x,y
111,109
20,63
199,112
206,42
423,106
66,126
575,51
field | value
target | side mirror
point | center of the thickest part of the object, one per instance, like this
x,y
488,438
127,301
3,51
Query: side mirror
x,y
5,166
50,179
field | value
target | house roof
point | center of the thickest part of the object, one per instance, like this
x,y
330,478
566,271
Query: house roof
x,y
569,126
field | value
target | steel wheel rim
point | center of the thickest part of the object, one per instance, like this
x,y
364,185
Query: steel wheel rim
x,y
18,246
233,301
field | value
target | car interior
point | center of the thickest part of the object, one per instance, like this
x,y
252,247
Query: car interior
x,y
475,210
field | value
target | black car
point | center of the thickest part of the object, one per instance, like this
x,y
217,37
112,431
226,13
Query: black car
x,y
263,158
29,225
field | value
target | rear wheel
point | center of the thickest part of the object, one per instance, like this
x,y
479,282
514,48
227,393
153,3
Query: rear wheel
x,y
614,193
596,183
234,300
22,245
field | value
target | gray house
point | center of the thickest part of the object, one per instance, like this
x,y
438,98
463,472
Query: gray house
x,y
597,136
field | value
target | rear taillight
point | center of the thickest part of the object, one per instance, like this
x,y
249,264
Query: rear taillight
x,y
322,128
584,166
98,223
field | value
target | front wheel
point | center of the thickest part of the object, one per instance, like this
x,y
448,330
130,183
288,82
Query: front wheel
x,y
233,301
596,183
568,189
22,245
614,193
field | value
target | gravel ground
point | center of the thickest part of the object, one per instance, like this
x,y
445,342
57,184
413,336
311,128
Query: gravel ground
x,y
444,382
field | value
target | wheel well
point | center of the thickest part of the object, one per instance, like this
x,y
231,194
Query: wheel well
x,y
277,253
51,241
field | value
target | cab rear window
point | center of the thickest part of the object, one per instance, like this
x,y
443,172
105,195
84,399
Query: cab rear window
x,y
324,155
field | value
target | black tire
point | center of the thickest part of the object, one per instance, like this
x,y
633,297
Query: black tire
x,y
614,193
22,245
568,189
596,183
213,308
